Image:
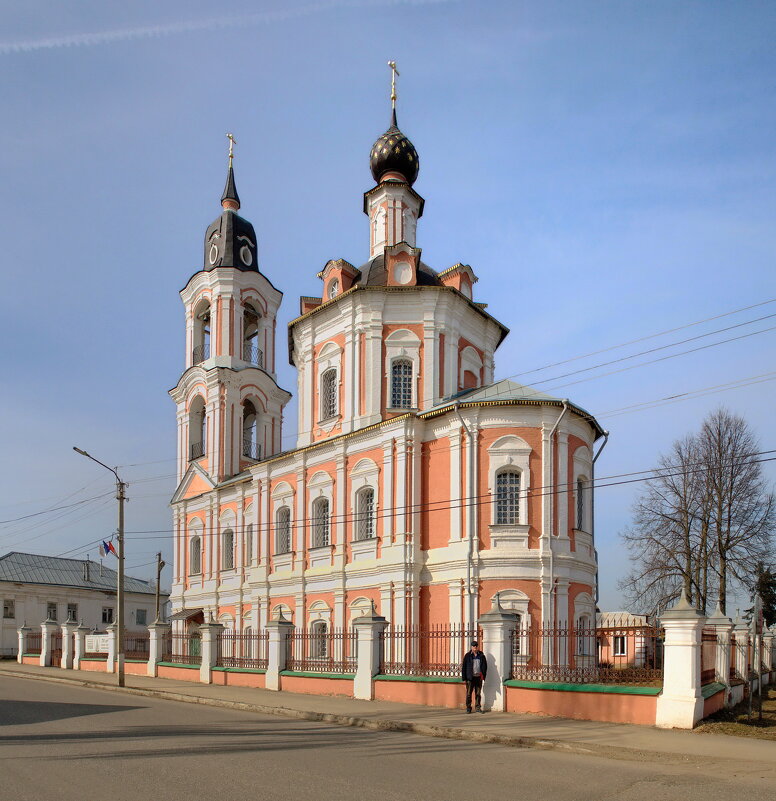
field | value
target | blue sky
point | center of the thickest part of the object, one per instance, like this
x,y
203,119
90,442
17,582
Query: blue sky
x,y
607,168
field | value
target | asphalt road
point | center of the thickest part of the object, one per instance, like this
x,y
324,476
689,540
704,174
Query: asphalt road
x,y
60,742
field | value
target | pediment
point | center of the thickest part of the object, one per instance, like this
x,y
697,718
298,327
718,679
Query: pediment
x,y
195,481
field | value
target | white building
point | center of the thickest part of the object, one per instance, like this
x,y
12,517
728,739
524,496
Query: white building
x,y
35,588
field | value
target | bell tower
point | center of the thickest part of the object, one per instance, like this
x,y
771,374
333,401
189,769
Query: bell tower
x,y
230,408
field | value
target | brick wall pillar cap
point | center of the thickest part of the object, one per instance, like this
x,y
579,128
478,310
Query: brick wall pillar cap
x,y
718,618
682,610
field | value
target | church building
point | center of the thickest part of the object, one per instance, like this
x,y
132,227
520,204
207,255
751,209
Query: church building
x,y
417,481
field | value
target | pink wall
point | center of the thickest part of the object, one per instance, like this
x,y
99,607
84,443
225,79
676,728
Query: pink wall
x,y
317,686
714,703
181,674
97,665
427,693
229,679
136,668
606,707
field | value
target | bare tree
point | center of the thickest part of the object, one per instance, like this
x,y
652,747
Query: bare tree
x,y
706,518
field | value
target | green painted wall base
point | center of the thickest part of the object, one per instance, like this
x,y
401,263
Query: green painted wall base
x,y
239,670
312,675
617,689
435,679
177,664
712,689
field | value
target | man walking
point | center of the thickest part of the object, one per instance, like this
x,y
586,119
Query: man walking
x,y
473,671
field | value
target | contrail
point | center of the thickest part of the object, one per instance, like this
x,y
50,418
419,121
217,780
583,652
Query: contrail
x,y
152,31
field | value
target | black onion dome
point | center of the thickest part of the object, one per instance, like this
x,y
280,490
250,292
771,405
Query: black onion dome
x,y
393,152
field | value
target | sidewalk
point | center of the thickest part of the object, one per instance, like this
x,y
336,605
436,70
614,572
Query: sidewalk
x,y
610,740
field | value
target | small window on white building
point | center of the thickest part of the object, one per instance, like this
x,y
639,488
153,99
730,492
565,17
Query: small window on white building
x,y
507,497
227,553
107,615
329,394
72,613
9,609
195,556
320,537
283,530
51,611
401,384
365,514
140,617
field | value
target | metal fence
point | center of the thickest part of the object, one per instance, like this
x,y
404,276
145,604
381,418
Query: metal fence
x,y
56,649
182,649
434,651
137,645
620,654
248,650
709,645
322,650
34,643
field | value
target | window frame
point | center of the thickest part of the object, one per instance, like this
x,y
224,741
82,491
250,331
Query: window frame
x,y
9,604
402,386
509,515
227,548
108,615
195,539
619,639
285,510
365,520
320,535
49,606
329,394
72,607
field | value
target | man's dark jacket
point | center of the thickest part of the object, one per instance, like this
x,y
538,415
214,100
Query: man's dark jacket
x,y
466,666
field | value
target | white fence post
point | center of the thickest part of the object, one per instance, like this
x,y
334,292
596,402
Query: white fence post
x,y
47,628
67,645
277,647
80,645
157,631
22,631
209,650
680,705
369,629
497,626
723,628
110,665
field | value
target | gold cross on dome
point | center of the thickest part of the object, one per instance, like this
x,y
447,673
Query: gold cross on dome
x,y
232,143
394,73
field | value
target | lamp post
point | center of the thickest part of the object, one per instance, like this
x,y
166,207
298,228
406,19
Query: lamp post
x,y
159,566
121,497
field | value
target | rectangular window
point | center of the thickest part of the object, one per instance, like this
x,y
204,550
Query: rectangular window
x,y
72,613
9,611
619,645
107,614
51,611
140,617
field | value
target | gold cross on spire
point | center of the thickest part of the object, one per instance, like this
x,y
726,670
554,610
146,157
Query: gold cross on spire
x,y
394,73
232,143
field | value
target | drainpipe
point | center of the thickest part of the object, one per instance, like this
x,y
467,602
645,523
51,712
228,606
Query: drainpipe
x,y
472,516
592,510
552,491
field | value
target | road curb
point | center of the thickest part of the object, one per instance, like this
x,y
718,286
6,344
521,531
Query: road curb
x,y
352,721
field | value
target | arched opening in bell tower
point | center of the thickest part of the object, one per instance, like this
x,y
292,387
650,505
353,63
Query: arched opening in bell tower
x,y
251,448
197,428
251,352
201,348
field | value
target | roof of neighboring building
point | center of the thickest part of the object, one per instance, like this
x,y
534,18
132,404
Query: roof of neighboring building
x,y
30,568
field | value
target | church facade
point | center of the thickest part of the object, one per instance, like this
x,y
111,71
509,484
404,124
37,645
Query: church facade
x,y
417,482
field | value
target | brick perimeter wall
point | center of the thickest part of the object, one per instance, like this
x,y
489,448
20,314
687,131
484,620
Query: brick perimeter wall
x,y
317,686
427,693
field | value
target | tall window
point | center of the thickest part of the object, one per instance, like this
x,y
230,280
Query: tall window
x,y
580,504
250,445
195,556
333,288
227,553
249,544
401,384
141,617
201,350
107,614
365,514
197,428
507,497
251,351
283,530
329,394
319,640
9,609
320,523
51,611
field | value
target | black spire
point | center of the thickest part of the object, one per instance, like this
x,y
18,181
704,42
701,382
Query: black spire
x,y
230,190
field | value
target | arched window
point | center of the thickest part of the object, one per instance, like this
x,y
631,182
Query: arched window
x,y
320,523
251,352
251,449
195,556
283,530
585,636
333,288
319,640
365,514
507,497
401,384
329,394
580,504
197,432
249,544
201,347
227,550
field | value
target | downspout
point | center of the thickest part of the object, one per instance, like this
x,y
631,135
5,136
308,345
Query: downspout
x,y
592,510
472,516
552,492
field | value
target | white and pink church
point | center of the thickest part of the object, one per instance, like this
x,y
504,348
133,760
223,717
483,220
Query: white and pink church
x,y
417,481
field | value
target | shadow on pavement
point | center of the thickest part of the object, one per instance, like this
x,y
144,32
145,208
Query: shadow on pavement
x,y
19,713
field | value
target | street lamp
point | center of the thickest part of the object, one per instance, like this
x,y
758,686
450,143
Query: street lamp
x,y
121,497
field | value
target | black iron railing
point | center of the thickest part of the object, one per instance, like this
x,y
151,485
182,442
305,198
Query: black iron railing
x,y
182,649
251,449
196,450
199,353
136,645
253,354
249,650
434,651
323,650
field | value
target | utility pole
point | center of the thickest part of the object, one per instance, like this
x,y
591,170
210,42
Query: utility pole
x,y
159,568
120,497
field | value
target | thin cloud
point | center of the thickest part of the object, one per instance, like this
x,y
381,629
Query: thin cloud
x,y
173,28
